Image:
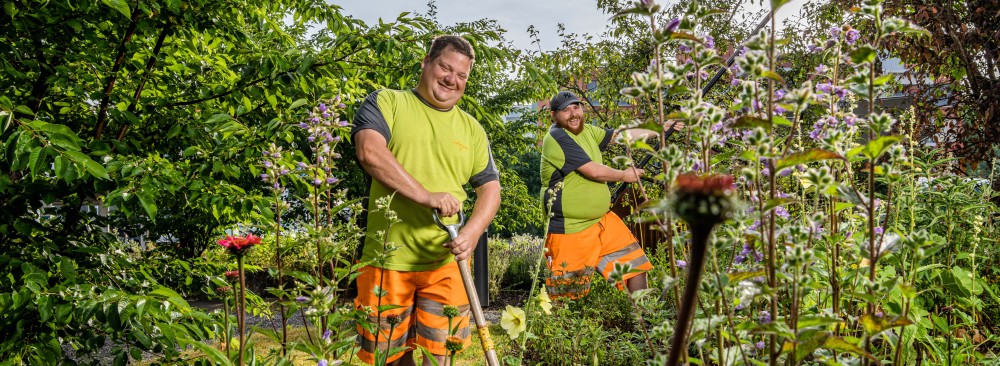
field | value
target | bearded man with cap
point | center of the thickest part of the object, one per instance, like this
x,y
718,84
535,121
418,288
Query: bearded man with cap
x,y
584,235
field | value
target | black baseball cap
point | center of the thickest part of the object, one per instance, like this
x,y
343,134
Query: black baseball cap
x,y
562,100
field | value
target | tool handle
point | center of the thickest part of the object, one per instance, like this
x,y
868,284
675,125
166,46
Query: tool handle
x,y
477,314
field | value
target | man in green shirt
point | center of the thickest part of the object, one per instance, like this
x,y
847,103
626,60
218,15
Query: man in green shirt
x,y
420,146
584,235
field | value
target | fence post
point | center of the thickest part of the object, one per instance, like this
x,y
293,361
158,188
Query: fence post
x,y
481,270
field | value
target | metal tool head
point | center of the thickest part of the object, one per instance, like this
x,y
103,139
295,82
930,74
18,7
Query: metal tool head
x,y
452,229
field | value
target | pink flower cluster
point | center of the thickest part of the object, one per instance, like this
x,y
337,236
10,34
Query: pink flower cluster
x,y
238,244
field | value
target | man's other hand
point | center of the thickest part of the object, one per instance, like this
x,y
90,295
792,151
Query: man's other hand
x,y
632,174
462,247
446,204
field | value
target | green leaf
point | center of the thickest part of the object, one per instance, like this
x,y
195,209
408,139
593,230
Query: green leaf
x,y
742,276
776,4
24,109
773,76
220,117
68,269
119,5
805,344
882,80
957,281
781,121
839,344
148,202
9,8
751,122
806,157
874,149
174,5
95,169
37,161
874,325
863,54
298,103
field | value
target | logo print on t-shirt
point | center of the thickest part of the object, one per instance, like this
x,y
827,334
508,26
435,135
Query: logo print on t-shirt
x,y
461,146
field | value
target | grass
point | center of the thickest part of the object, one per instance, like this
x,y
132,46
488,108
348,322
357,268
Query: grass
x,y
264,346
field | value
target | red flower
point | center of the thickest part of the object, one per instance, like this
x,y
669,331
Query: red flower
x,y
232,274
711,184
704,200
239,244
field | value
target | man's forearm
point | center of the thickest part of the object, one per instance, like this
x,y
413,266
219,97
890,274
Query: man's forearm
x,y
485,208
383,167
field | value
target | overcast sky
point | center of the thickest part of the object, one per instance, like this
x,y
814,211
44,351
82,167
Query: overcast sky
x,y
579,16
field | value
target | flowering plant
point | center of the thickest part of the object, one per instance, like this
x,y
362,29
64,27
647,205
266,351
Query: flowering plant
x,y
238,245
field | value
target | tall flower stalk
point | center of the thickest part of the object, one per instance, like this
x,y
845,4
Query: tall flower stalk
x,y
703,202
238,247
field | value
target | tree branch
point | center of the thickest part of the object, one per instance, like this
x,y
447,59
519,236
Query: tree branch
x,y
145,76
102,113
255,82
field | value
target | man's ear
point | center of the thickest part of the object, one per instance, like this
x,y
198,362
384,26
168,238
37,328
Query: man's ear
x,y
423,63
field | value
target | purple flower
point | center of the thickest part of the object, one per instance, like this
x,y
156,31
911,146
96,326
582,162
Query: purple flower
x,y
760,345
785,172
849,119
755,225
301,299
283,171
835,32
709,42
716,127
830,43
740,258
758,256
311,138
263,176
267,163
765,172
681,263
781,211
684,48
765,317
276,185
317,181
879,230
301,165
821,69
326,335
672,25
815,48
841,92
801,168
779,110
879,314
852,36
322,362
303,125
696,166
331,180
735,82
322,107
740,306
824,87
780,93
342,123
341,106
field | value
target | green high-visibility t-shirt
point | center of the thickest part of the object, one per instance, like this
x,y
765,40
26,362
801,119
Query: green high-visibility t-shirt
x,y
443,150
582,201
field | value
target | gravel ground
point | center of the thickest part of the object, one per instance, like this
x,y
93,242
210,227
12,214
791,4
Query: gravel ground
x,y
104,357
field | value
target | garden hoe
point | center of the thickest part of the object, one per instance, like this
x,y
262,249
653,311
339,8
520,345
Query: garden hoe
x,y
470,289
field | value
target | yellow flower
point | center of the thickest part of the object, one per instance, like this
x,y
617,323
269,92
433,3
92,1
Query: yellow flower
x,y
513,321
544,302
